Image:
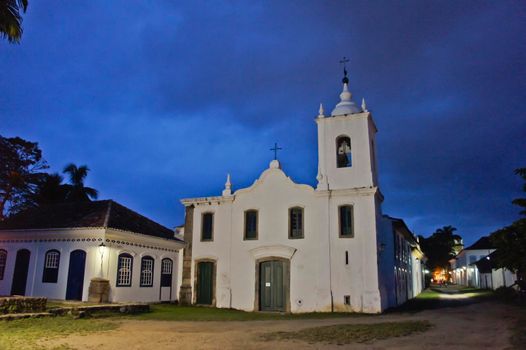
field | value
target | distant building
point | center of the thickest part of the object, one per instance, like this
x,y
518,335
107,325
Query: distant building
x,y
58,251
282,246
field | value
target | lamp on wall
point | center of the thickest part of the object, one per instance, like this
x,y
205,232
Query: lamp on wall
x,y
102,250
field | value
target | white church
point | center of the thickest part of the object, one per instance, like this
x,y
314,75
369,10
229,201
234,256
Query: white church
x,y
282,246
274,246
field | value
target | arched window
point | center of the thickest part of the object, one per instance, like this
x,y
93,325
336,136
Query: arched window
x,y
296,222
166,272
346,221
124,270
251,224
343,152
3,260
51,264
147,271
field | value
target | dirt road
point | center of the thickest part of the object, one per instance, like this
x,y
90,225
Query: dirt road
x,y
483,325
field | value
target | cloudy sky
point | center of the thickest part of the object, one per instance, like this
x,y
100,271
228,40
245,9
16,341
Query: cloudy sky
x,y
161,99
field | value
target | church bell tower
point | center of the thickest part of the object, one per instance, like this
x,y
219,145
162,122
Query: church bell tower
x,y
346,145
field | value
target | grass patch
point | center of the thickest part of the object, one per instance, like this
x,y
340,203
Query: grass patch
x,y
168,312
352,333
28,333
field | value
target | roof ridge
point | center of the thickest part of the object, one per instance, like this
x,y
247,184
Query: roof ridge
x,y
107,218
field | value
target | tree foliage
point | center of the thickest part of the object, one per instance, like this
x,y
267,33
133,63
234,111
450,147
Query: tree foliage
x,y
11,20
76,190
440,247
510,241
21,171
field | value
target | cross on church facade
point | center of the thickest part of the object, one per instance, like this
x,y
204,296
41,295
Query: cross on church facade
x,y
344,61
276,149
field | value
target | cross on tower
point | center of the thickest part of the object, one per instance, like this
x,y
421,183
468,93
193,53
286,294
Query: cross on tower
x,y
344,61
276,149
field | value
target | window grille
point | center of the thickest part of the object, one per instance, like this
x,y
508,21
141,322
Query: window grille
x,y
124,272
51,265
147,272
52,260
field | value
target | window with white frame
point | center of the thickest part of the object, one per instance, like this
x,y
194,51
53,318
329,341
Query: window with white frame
x,y
166,272
167,266
124,271
51,265
3,260
147,271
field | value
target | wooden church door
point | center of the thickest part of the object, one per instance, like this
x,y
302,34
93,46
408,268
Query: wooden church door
x,y
271,286
205,283
77,263
20,274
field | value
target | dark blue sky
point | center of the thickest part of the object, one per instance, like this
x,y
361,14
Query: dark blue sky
x,y
161,99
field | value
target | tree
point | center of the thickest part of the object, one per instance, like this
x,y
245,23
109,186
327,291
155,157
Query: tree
x,y
76,190
51,190
440,247
21,164
510,241
11,20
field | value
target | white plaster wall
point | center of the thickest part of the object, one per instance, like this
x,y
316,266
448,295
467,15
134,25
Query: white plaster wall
x,y
40,244
312,271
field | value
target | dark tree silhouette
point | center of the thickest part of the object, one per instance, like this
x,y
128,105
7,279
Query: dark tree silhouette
x,y
51,190
440,247
11,20
76,189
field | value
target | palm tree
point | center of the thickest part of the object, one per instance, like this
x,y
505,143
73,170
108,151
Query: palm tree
x,y
77,190
11,20
51,190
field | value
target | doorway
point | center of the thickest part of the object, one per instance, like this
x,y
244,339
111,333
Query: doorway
x,y
272,286
205,283
20,274
77,264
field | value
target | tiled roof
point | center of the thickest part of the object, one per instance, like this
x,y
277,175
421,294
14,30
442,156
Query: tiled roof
x,y
482,243
106,213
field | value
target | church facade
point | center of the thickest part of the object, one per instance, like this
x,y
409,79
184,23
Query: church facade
x,y
282,246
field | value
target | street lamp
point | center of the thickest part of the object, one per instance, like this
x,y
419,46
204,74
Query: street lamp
x,y
102,250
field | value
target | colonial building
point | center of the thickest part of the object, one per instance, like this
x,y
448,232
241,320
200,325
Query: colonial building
x,y
75,250
282,246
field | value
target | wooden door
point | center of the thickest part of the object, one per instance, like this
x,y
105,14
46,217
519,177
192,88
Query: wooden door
x,y
20,274
205,283
271,286
77,264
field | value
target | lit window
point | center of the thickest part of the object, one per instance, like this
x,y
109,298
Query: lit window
x,y
296,222
3,260
343,152
207,227
251,224
346,221
124,271
51,264
147,271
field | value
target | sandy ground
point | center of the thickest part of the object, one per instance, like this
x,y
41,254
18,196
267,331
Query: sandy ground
x,y
477,326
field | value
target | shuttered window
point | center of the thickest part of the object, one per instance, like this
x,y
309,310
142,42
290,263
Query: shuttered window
x,y
207,227
296,222
251,224
346,221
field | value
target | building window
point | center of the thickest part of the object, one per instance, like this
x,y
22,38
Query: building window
x,y
346,257
124,270
166,272
346,221
343,152
347,300
3,260
207,227
51,264
147,271
251,224
296,222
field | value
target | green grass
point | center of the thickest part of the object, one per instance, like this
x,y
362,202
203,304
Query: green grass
x,y
28,333
352,333
168,312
